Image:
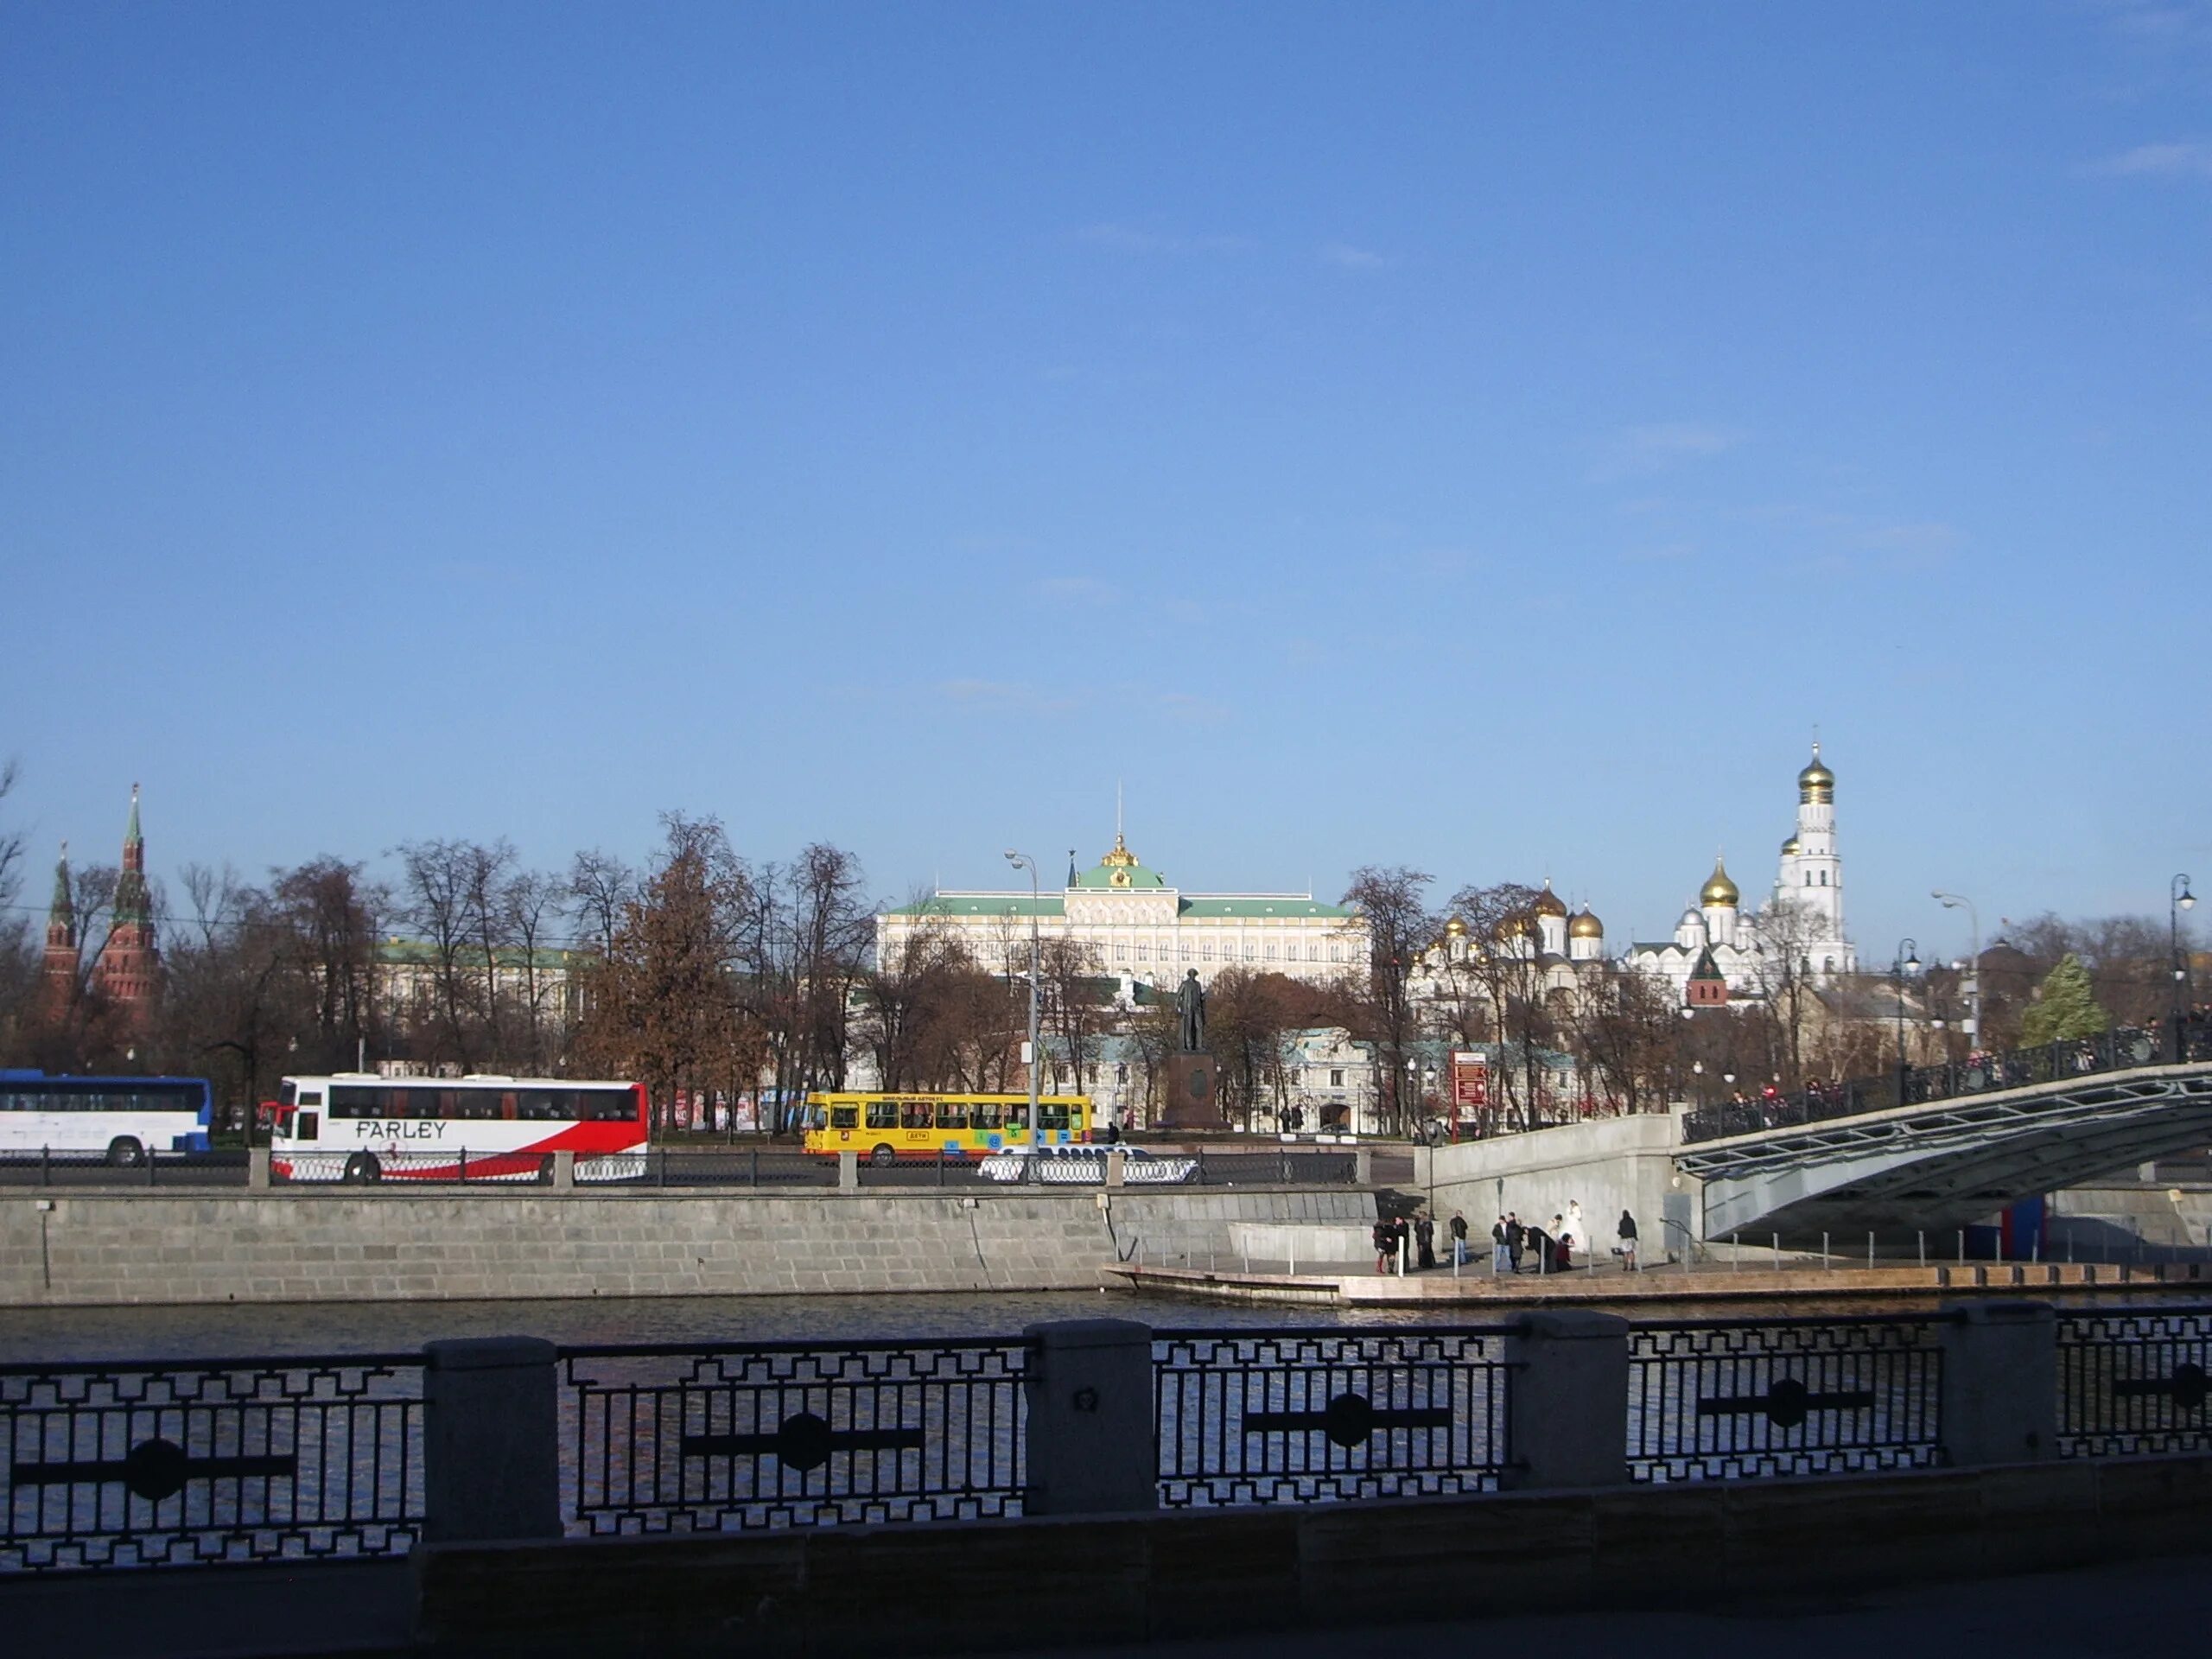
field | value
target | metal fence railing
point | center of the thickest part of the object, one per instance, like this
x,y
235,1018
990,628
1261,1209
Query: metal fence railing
x,y
1305,1416
167,1464
1749,1398
149,1464
678,1167
2134,1381
778,1434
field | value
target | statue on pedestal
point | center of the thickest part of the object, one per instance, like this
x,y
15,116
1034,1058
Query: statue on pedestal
x,y
1190,1004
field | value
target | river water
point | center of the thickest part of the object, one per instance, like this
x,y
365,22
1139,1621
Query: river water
x,y
226,1331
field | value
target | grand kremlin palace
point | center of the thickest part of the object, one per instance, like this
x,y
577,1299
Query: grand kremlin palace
x,y
1141,927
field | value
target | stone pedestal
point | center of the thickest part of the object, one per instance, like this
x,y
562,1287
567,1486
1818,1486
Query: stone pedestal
x,y
1193,1098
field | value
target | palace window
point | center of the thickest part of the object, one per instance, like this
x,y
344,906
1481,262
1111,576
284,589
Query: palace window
x,y
1144,950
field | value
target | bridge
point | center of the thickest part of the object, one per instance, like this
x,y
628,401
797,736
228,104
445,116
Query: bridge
x,y
1939,1147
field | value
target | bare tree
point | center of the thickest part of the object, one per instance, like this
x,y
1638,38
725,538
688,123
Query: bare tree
x,y
600,889
1506,963
1786,931
528,902
327,914
1073,1007
1391,903
1250,1019
447,887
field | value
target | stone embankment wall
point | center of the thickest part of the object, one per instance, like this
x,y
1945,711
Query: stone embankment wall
x,y
1607,1165
63,1248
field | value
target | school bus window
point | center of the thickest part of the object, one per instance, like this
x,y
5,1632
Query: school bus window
x,y
844,1117
1052,1114
986,1114
952,1115
916,1115
883,1114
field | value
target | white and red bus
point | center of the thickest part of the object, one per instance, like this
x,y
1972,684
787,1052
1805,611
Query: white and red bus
x,y
358,1127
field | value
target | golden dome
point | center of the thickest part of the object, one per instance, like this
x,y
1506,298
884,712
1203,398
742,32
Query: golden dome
x,y
1585,925
1718,890
1816,782
1455,928
1548,902
1790,847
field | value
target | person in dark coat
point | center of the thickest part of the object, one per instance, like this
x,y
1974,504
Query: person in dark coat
x,y
1540,1246
1627,1251
1385,1243
1459,1240
1517,1238
1425,1239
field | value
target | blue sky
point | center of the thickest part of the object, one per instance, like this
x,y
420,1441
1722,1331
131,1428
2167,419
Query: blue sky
x,y
1490,438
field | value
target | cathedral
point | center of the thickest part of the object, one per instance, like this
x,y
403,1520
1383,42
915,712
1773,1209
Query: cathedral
x,y
1720,952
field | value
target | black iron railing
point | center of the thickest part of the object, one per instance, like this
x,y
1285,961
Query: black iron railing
x,y
777,1434
162,1464
1305,1416
2019,1068
2131,1381
1728,1401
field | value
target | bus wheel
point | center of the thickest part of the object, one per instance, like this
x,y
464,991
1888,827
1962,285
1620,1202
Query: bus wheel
x,y
125,1153
883,1157
362,1168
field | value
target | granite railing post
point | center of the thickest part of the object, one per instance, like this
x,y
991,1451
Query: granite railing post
x,y
1116,1162
1998,1403
848,1172
1362,1167
1568,1400
491,1441
564,1171
1088,1387
257,1168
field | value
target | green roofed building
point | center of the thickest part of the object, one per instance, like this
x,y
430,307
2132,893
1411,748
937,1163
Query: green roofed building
x,y
1142,928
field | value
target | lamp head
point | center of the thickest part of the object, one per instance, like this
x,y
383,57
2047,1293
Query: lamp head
x,y
1912,964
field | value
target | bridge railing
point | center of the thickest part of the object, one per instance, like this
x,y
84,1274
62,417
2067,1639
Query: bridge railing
x,y
192,1463
2113,1051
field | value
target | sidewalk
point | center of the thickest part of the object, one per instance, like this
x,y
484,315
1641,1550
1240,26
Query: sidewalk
x,y
212,1612
2144,1608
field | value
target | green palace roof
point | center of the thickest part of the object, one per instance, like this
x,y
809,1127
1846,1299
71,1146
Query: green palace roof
x,y
1286,906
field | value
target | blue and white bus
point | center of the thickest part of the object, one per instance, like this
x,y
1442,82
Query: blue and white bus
x,y
124,1121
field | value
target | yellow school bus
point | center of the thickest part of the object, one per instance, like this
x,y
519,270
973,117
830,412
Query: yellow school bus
x,y
885,1127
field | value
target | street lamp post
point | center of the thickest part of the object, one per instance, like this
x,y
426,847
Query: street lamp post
x,y
1908,962
1023,861
2178,899
1952,901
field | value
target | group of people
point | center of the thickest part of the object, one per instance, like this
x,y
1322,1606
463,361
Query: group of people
x,y
1412,1240
1515,1247
1518,1247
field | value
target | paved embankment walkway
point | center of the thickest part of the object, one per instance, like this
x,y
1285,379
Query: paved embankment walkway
x,y
350,1608
1357,1285
2128,1612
